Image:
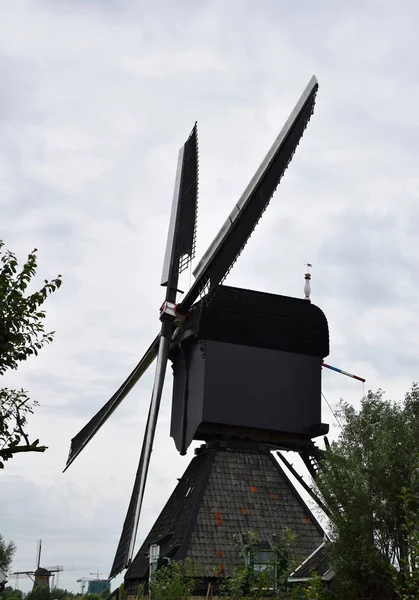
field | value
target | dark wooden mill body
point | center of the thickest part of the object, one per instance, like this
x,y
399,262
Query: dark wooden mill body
x,y
248,365
247,380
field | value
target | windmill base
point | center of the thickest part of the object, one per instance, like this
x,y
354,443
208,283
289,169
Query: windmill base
x,y
229,489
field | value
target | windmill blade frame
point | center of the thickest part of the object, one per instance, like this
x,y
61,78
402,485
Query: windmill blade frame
x,y
80,441
38,553
181,238
125,549
180,243
228,244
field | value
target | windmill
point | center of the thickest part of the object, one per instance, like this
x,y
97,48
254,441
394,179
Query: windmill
x,y
41,576
246,365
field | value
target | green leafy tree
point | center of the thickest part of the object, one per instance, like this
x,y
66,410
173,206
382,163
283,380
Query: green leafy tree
x,y
10,594
316,589
175,581
406,582
7,552
22,334
252,579
39,593
361,482
93,596
60,594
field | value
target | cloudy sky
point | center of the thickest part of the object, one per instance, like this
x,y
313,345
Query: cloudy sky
x,y
96,98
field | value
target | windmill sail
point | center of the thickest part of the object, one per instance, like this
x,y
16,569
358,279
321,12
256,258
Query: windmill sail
x,y
181,242
232,237
126,543
180,250
85,435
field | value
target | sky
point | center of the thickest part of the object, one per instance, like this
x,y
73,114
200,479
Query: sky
x,y
97,97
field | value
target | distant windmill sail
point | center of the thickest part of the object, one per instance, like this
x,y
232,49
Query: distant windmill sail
x,y
38,553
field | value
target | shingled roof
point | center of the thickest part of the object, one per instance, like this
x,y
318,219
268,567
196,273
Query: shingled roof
x,y
253,318
228,488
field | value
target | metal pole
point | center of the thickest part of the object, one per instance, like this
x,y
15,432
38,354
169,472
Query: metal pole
x,y
303,483
344,372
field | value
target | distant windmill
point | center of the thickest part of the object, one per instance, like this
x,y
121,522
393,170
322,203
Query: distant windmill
x,y
247,379
41,576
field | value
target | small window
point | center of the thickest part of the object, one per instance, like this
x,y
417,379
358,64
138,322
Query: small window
x,y
259,560
273,562
189,492
154,552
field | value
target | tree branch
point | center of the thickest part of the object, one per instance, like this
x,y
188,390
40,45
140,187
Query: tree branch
x,y
27,448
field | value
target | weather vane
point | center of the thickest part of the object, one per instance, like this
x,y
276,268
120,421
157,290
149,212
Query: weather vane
x,y
307,285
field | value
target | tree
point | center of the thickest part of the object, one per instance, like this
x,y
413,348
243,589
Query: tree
x,y
262,572
10,594
7,552
369,481
60,594
407,580
39,593
93,596
22,334
175,581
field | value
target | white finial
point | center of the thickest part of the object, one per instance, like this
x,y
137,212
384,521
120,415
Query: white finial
x,y
307,285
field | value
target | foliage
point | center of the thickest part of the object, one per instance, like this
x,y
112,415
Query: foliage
x,y
406,582
10,594
60,594
7,551
94,596
246,581
22,334
316,589
175,581
179,579
122,592
15,406
39,593
360,482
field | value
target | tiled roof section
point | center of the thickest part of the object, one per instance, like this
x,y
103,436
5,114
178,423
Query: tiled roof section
x,y
174,523
247,491
235,490
319,561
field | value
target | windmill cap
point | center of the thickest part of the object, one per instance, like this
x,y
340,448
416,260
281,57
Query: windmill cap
x,y
253,318
40,572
